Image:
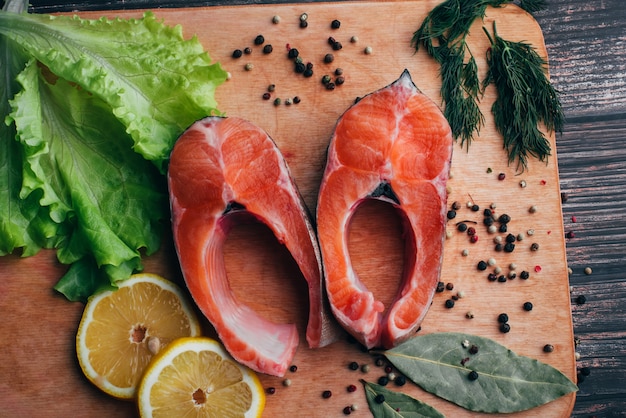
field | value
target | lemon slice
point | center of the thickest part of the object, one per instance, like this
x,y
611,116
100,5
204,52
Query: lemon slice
x,y
121,330
195,377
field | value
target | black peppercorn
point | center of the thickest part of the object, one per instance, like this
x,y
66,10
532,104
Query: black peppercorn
x,y
270,390
379,398
499,247
335,24
328,58
488,221
528,306
502,228
340,80
440,287
303,23
473,375
247,50
347,410
534,246
504,218
449,304
327,394
293,53
503,318
383,380
524,275
548,348
308,72
400,380
461,227
502,278
299,67
475,208
449,286
296,100
492,277
259,40
581,299
237,53
353,365
585,371
266,96
451,214
267,49
482,265
488,212
509,247
337,46
505,328
473,349
510,238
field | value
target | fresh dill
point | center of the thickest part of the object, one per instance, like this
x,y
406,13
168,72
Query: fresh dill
x,y
518,110
525,99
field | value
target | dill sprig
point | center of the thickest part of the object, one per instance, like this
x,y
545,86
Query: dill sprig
x,y
525,99
443,33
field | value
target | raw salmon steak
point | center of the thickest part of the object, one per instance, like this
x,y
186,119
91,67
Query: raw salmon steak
x,y
223,171
394,145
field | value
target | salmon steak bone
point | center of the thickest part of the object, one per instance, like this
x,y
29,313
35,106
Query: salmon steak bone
x,y
393,145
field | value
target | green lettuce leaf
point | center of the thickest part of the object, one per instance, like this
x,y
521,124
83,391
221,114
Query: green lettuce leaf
x,y
110,201
155,82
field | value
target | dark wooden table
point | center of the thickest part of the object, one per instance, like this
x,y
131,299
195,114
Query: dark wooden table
x,y
586,42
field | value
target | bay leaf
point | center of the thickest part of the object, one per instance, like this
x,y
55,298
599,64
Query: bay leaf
x,y
506,382
396,404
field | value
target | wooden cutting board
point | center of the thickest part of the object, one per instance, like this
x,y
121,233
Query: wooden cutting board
x,y
39,375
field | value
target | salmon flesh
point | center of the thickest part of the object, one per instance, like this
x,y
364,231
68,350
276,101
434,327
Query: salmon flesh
x,y
393,145
223,171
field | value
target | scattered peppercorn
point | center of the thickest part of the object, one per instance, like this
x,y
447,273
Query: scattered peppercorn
x,y
456,206
308,72
509,247
502,228
400,380
266,96
326,79
293,368
247,50
353,365
368,50
440,287
449,304
304,16
524,275
501,176
499,247
528,306
383,380
449,286
337,46
588,270
271,390
505,328
328,58
510,238
388,368
502,278
532,209
276,19
304,24
277,101
469,315
330,86
351,388
380,398
570,234
534,246
287,382
354,39
473,375
365,368
461,227
492,277
471,231
548,348
296,99
249,66
585,371
335,24
237,53
581,299
259,40
340,80
347,410
293,53
522,183
503,318
327,394
511,275
504,218
564,197
451,214
482,265
473,349
488,221
475,208
267,49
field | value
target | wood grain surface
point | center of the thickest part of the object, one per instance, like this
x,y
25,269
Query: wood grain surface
x,y
585,42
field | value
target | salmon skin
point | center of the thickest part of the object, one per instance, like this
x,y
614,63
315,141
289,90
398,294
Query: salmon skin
x,y
223,171
393,145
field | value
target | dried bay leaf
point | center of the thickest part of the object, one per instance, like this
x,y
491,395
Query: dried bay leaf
x,y
396,404
507,382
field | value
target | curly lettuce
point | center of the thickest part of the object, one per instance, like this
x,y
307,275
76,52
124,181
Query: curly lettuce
x,y
92,109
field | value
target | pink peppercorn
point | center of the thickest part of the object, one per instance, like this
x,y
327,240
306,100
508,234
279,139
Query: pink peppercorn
x,y
474,238
351,388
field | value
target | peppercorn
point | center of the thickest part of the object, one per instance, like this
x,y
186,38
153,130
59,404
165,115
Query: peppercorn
x,y
330,86
328,58
353,365
249,66
327,394
534,246
351,388
469,315
337,46
461,227
548,348
509,247
473,349
449,304
267,49
277,101
293,53
564,197
502,228
451,214
304,24
449,286
271,390
511,275
340,80
473,375
276,19
570,234
296,99
532,209
492,277
299,67
383,380
475,208
368,50
482,265
499,247
471,231
259,40
488,221
266,96
504,218
581,299
524,275
505,328
501,176
325,79
456,206
528,306
585,371
304,16
440,287
287,382
247,50
347,410
510,238
380,398
503,318
335,24
588,270
237,53
492,229
502,278
308,72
